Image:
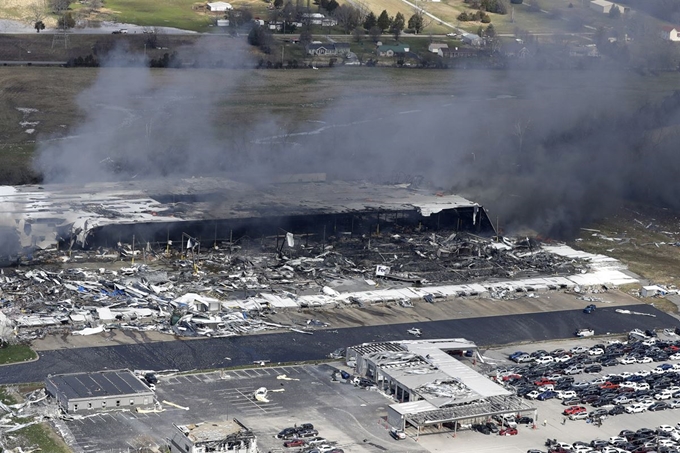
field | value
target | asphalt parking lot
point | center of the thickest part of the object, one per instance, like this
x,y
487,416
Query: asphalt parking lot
x,y
342,413
351,417
213,353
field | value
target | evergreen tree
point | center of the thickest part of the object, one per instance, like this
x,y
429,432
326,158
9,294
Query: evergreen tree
x,y
370,21
415,23
383,21
397,26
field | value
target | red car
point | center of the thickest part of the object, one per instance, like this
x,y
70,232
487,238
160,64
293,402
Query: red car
x,y
508,432
544,381
294,443
574,410
609,386
512,376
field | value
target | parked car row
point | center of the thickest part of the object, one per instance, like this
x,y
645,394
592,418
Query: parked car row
x,y
306,436
640,351
663,439
551,375
505,425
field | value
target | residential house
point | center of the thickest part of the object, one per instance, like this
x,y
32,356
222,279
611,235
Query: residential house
x,y
589,50
472,39
437,48
319,19
338,48
390,51
219,7
279,25
670,33
459,52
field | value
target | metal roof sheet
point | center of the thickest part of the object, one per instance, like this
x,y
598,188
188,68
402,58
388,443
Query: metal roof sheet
x,y
100,384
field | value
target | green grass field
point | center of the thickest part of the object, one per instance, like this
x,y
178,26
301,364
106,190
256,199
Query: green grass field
x,y
16,353
169,13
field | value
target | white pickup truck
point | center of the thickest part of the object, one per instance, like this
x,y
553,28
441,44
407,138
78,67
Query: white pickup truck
x,y
585,333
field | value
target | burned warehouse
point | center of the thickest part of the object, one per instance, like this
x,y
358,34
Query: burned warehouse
x,y
214,210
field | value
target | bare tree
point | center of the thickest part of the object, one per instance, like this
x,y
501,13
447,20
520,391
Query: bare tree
x,y
347,16
37,12
59,6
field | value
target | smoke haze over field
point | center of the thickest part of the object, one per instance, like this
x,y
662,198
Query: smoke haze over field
x,y
548,150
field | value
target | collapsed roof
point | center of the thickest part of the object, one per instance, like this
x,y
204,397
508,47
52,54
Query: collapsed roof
x,y
158,210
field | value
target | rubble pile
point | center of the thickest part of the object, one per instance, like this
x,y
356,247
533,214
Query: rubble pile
x,y
35,408
234,288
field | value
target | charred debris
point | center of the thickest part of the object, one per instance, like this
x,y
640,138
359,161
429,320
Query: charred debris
x,y
236,287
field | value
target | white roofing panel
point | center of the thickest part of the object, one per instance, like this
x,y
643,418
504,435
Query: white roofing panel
x,y
603,277
413,407
475,381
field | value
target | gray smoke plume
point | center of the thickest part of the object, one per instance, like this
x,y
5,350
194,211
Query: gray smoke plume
x,y
545,149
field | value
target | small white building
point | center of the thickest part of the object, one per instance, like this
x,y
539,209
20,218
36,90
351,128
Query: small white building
x,y
601,6
437,48
670,33
318,19
218,7
472,39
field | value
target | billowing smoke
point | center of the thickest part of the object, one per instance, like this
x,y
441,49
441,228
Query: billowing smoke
x,y
543,149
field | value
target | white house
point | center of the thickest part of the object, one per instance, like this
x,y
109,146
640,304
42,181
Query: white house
x,y
472,39
601,6
437,48
219,7
670,33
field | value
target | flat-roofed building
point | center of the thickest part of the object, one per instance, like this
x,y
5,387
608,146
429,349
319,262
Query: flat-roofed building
x,y
432,387
98,391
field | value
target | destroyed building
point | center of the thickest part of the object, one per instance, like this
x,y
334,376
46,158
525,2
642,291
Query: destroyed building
x,y
158,211
237,287
189,260
100,391
217,437
432,386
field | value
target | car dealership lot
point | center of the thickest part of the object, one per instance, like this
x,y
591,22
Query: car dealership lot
x,y
557,426
351,417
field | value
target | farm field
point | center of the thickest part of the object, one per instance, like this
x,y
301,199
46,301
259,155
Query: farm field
x,y
42,103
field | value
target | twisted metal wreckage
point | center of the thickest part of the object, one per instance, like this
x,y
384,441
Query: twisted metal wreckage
x,y
195,263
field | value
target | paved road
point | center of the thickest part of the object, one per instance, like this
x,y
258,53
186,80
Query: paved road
x,y
106,28
293,347
31,63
